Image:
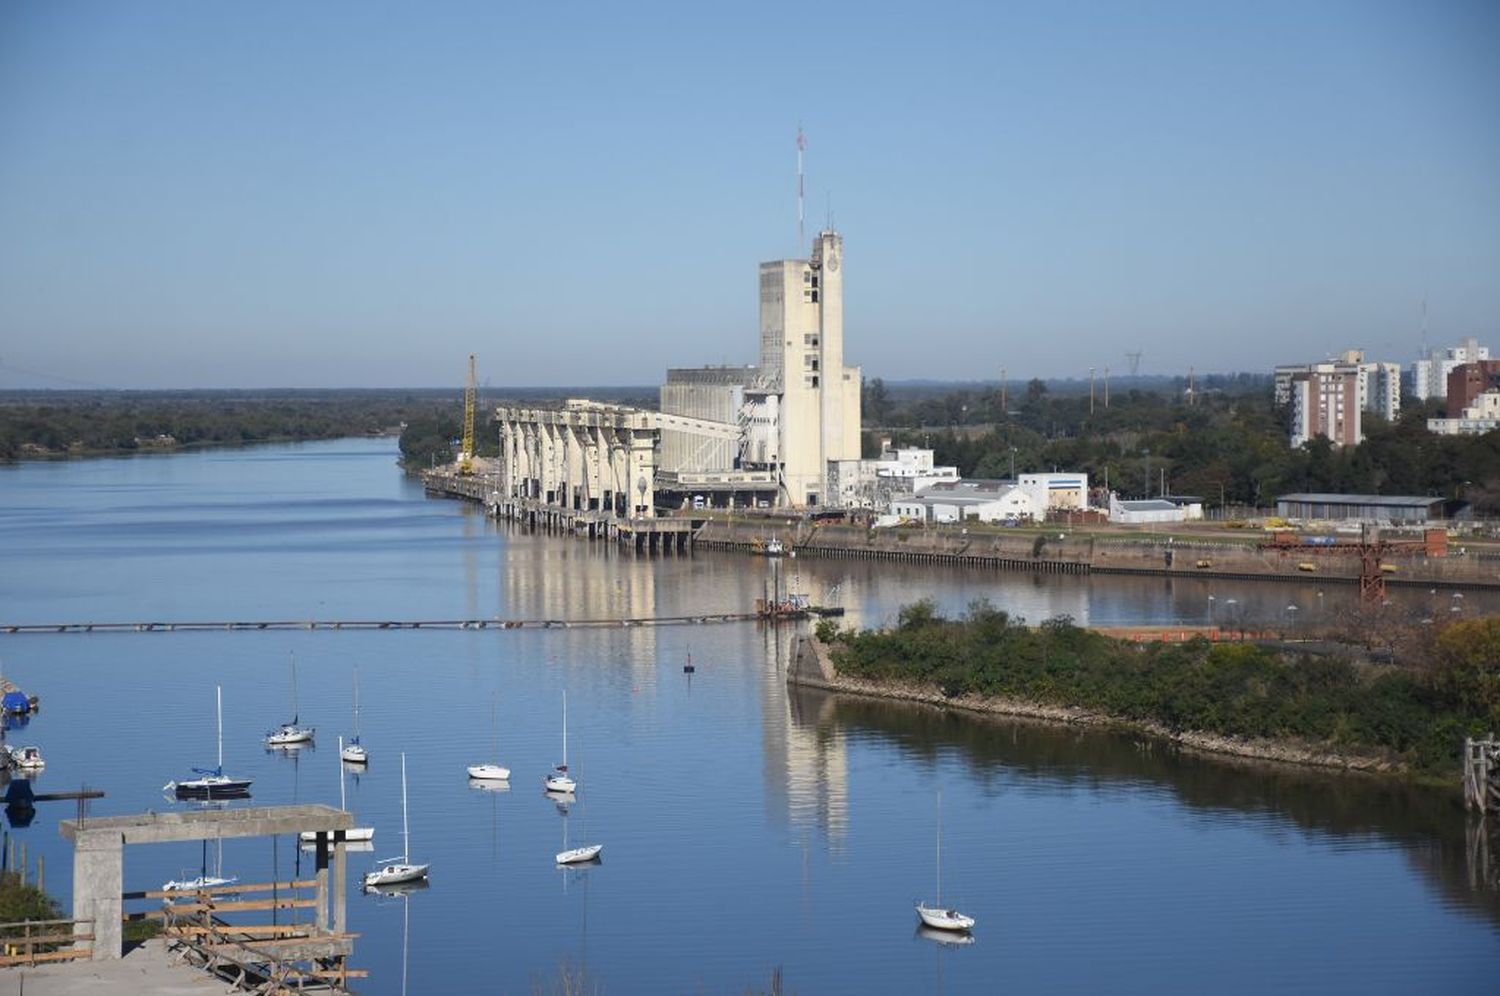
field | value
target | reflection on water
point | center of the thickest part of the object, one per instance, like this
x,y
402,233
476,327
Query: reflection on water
x,y
747,828
1345,809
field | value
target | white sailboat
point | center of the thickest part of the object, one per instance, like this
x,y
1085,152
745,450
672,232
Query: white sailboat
x,y
290,733
212,783
203,880
354,752
560,780
576,855
495,771
353,833
939,916
399,868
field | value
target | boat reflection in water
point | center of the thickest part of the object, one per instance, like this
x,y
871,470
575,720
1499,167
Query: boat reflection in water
x,y
401,892
949,938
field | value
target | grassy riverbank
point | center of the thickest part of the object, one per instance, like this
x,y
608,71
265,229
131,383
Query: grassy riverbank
x,y
1414,713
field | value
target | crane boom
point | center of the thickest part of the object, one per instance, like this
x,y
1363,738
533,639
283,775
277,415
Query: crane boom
x,y
466,455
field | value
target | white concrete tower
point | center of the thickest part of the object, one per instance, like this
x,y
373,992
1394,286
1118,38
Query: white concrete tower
x,y
802,352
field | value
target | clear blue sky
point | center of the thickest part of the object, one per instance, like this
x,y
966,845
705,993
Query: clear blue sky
x,y
361,194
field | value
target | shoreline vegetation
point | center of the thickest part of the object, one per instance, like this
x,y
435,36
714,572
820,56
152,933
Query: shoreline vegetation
x,y
1249,700
73,425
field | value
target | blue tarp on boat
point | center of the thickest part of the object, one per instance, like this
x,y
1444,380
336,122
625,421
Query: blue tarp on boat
x,y
15,702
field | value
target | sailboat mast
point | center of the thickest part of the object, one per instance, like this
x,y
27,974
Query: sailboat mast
x,y
341,774
940,848
219,722
565,729
405,829
356,706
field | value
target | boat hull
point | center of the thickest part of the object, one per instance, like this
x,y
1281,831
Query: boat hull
x,y
579,855
489,773
290,735
354,755
561,784
944,919
395,874
227,788
352,835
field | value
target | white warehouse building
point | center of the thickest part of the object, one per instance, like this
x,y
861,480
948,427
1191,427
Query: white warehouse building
x,y
957,501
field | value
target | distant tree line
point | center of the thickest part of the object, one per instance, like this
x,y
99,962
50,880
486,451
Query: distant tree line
x,y
53,424
1228,446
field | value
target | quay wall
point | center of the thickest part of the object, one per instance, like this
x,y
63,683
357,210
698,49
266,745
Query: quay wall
x,y
1064,552
1054,552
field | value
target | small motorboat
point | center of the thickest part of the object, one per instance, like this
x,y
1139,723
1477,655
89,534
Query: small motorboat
x,y
26,758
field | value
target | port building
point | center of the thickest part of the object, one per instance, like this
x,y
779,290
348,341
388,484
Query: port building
x,y
767,434
1398,509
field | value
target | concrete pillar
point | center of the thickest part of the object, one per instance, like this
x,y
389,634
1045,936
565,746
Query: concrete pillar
x,y
98,882
340,885
320,851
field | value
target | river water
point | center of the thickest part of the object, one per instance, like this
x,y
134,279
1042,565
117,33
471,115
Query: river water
x,y
746,829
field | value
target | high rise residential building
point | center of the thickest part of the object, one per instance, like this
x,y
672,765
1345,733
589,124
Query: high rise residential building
x,y
1481,415
1373,387
1429,375
1325,402
1468,381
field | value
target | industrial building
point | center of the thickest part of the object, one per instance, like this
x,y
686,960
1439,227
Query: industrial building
x,y
957,501
895,473
1056,492
764,435
1361,508
798,410
1146,511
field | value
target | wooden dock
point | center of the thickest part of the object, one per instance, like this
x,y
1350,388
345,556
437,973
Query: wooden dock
x,y
1482,775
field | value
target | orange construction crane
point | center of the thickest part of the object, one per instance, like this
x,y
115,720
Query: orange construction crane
x,y
466,454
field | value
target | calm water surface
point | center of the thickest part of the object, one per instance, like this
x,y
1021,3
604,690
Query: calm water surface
x,y
744,828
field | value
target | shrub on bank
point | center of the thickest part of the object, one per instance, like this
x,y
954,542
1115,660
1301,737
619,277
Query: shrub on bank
x,y
1243,690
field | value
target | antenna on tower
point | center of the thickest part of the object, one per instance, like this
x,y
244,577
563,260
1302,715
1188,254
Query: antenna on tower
x,y
801,216
1425,354
1135,361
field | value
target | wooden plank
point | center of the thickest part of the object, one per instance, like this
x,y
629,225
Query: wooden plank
x,y
218,890
59,938
39,923
67,954
244,905
257,928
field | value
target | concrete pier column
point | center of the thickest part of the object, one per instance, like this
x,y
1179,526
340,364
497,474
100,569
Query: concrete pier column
x,y
320,850
98,882
340,885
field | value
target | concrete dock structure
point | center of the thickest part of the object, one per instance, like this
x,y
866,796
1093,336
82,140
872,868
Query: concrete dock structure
x,y
99,857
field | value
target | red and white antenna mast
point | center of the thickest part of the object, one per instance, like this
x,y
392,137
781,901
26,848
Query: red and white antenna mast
x,y
801,146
